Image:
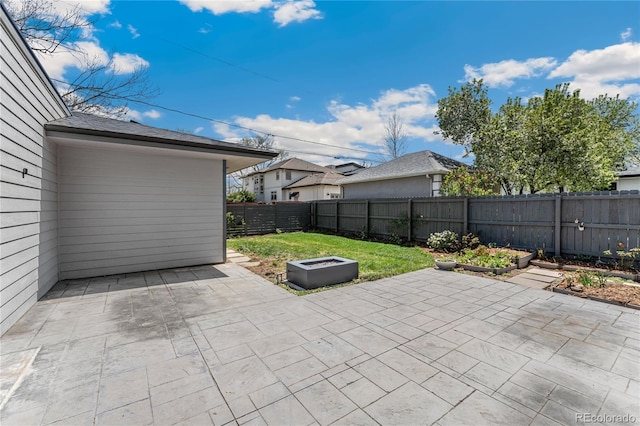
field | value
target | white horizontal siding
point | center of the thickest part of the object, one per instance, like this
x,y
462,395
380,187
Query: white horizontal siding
x,y
28,218
132,211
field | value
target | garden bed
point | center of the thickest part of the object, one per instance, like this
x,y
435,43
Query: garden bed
x,y
584,266
597,286
488,260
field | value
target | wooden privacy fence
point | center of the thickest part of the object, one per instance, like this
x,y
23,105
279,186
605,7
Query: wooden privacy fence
x,y
568,223
259,219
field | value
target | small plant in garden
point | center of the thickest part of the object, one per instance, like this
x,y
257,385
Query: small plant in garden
x,y
469,241
601,279
446,241
588,279
481,256
585,278
627,258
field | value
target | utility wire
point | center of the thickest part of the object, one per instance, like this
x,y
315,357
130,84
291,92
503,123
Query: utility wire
x,y
221,121
190,114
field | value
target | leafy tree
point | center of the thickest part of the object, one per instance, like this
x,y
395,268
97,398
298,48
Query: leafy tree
x,y
99,86
242,196
394,140
555,142
467,182
464,113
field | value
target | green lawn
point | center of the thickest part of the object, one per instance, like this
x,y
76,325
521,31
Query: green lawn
x,y
375,260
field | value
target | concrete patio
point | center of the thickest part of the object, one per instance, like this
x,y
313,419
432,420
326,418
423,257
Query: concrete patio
x,y
220,345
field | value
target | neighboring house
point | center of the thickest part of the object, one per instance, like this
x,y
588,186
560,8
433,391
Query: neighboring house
x,y
628,179
268,184
320,186
419,174
85,196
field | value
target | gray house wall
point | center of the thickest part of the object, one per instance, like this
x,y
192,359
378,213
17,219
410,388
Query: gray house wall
x,y
416,186
28,202
126,209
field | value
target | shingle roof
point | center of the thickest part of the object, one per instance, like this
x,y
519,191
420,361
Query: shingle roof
x,y
415,164
89,124
327,178
631,171
296,164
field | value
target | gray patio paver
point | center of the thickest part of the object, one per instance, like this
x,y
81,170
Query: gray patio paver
x,y
408,405
214,345
325,403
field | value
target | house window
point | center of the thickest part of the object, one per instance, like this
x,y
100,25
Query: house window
x,y
274,196
277,175
288,175
334,196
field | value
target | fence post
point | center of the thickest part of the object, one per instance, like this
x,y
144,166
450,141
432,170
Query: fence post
x,y
465,215
409,216
336,216
366,217
557,225
313,214
244,218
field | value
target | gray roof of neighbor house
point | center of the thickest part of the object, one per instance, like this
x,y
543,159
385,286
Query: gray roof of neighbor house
x,y
631,171
351,168
93,125
294,164
415,164
327,178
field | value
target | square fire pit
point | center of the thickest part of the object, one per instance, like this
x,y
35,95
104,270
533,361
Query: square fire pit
x,y
321,272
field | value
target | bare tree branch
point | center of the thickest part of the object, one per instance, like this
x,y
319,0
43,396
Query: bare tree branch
x,y
261,142
98,87
45,28
394,140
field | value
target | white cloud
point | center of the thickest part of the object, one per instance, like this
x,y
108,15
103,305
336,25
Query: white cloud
x,y
219,7
626,34
601,71
351,127
132,114
126,63
198,130
295,99
505,72
134,32
206,29
284,12
295,11
77,55
152,113
115,24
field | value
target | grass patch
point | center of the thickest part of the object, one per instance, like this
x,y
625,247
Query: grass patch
x,y
375,260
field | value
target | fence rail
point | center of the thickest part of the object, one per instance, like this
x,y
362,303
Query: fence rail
x,y
568,223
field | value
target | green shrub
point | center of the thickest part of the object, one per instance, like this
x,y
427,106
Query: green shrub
x,y
446,241
242,196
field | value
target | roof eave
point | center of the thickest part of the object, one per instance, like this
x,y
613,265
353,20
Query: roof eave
x,y
379,178
53,129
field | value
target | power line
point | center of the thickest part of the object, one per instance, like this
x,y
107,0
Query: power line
x,y
221,121
201,117
190,114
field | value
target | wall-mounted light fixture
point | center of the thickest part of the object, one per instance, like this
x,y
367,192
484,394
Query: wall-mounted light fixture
x,y
25,172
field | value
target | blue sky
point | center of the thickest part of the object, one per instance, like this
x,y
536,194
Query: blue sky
x,y
332,71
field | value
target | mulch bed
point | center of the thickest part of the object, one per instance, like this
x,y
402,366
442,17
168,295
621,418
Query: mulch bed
x,y
621,293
